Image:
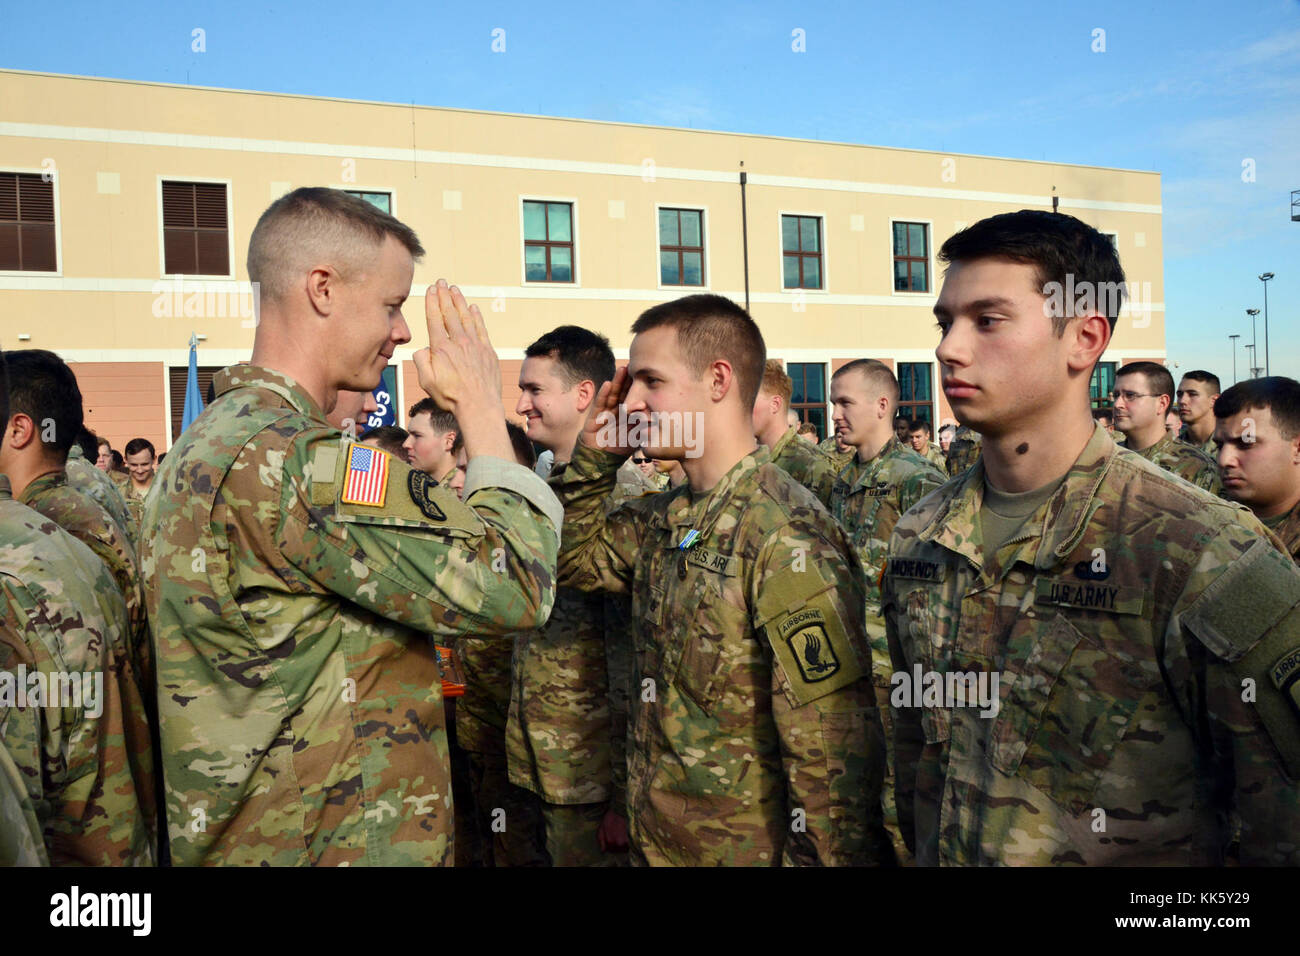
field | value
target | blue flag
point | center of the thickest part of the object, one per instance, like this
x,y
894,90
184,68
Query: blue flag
x,y
385,398
193,401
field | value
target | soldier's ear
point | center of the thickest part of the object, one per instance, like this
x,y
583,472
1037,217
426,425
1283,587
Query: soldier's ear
x,y
20,432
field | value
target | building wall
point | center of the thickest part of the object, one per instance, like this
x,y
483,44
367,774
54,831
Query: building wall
x,y
458,177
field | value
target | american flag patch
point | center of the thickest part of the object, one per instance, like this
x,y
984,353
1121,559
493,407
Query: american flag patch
x,y
366,482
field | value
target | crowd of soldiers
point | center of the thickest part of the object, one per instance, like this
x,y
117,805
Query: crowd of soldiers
x,y
1027,643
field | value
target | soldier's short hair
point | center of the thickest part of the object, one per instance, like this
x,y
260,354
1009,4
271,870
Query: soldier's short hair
x,y
880,378
42,387
440,420
314,225
1099,413
137,445
1277,393
387,437
711,327
776,382
921,425
949,430
1209,378
89,443
807,428
580,355
1158,378
1063,250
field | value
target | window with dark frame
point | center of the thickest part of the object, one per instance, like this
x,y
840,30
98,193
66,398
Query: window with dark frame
x,y
801,252
915,399
808,396
382,201
196,229
1101,384
548,241
27,223
681,247
911,257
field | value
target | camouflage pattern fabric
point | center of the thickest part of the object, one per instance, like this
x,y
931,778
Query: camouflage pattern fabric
x,y
509,818
1122,630
754,738
935,456
85,520
91,524
805,463
134,500
61,616
1208,446
21,843
868,499
300,699
83,476
838,458
1186,461
571,838
963,450
1287,529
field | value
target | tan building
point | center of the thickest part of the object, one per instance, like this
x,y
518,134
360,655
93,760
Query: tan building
x,y
126,207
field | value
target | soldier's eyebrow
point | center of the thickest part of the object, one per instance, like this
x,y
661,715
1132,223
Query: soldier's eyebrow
x,y
977,305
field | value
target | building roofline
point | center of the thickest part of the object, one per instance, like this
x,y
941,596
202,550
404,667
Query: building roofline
x,y
565,119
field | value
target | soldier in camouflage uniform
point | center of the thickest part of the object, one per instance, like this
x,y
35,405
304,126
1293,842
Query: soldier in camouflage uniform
x,y
86,478
1258,426
804,462
293,578
840,456
964,450
1197,392
564,730
871,493
1143,391
919,441
754,738
61,617
1078,649
141,461
21,842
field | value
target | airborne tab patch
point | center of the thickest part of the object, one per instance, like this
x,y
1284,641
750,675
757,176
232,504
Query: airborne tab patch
x,y
1286,677
421,487
366,480
805,634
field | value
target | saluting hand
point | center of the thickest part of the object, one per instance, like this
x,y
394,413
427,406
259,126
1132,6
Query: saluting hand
x,y
601,430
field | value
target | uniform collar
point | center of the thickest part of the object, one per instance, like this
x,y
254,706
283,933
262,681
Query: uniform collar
x,y
45,482
782,442
862,470
1062,518
1160,447
684,514
253,376
6,493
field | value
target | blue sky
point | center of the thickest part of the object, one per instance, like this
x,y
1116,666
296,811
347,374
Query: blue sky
x,y
1190,90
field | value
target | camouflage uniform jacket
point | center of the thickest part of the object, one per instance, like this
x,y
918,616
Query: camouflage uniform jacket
x,y
1208,446
838,458
61,616
935,456
300,699
482,711
89,480
963,450
1186,461
749,701
134,500
1287,529
868,500
1122,624
87,521
806,464
561,724
21,841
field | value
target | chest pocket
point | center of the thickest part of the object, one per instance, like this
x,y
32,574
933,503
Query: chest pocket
x,y
920,628
1068,707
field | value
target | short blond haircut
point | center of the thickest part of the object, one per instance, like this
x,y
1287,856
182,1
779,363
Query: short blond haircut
x,y
314,225
776,382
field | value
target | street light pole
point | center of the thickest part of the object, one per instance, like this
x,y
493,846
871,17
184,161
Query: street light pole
x,y
1264,279
1233,340
1251,368
1254,339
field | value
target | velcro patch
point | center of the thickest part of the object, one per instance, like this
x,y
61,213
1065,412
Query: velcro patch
x,y
322,474
1090,597
365,480
1245,602
724,564
916,569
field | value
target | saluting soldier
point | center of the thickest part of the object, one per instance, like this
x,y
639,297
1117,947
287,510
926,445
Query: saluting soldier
x,y
294,577
754,738
1137,634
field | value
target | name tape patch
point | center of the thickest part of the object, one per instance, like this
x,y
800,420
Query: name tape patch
x,y
1091,597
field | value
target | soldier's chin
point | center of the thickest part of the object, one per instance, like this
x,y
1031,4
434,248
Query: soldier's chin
x,y
666,454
